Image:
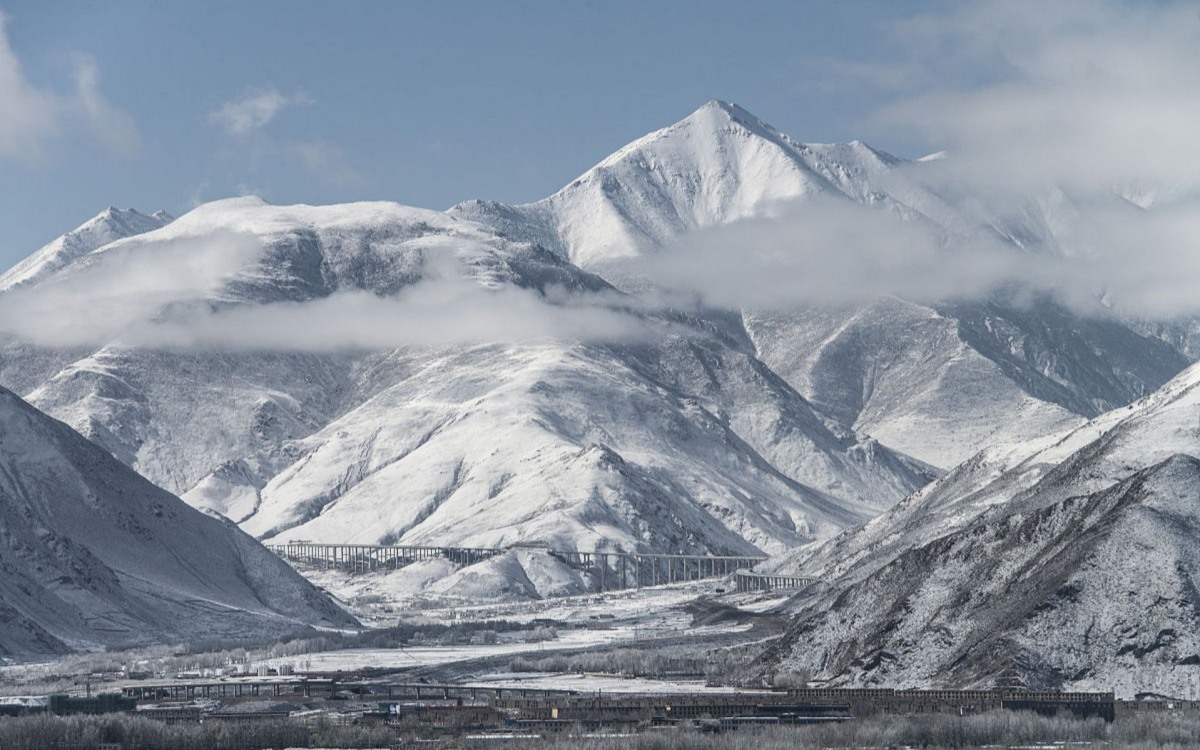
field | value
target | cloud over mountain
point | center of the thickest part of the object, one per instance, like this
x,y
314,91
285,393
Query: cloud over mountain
x,y
1075,93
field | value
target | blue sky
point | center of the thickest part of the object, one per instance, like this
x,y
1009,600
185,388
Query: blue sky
x,y
166,104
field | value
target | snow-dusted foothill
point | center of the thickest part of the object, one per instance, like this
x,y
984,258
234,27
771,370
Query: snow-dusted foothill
x,y
93,555
1074,565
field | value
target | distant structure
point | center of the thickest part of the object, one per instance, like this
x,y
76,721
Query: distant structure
x,y
608,571
105,703
746,581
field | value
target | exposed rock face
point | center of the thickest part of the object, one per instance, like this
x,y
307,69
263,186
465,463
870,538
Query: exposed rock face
x,y
1075,566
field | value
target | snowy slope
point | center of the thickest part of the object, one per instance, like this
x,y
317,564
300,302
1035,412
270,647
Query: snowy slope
x,y
903,374
683,440
1076,565
941,382
93,555
580,446
108,226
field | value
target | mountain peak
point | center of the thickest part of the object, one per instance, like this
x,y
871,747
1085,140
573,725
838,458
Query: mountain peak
x,y
719,164
704,126
734,113
730,109
112,214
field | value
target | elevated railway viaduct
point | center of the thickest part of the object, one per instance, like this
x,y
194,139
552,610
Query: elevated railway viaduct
x,y
608,571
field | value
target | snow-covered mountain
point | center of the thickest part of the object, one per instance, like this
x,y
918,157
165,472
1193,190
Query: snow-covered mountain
x,y
1075,565
233,362
676,439
685,445
93,555
937,382
718,165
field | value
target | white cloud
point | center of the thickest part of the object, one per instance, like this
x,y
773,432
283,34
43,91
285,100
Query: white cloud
x,y
1071,93
168,296
30,117
249,114
1079,113
442,312
122,287
254,110
833,251
825,250
27,113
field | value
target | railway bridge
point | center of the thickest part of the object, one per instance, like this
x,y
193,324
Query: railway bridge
x,y
361,558
745,580
608,571
622,570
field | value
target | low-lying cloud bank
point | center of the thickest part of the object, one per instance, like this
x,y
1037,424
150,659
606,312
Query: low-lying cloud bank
x,y
174,294
124,285
430,313
818,251
835,252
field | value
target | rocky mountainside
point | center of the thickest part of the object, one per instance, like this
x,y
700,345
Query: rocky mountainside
x,y
1075,566
93,555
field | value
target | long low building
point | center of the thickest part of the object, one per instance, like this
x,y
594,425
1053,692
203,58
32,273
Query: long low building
x,y
852,702
866,701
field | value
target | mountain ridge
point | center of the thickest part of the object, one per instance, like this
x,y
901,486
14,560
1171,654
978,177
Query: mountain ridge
x,y
109,225
1054,366
293,444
